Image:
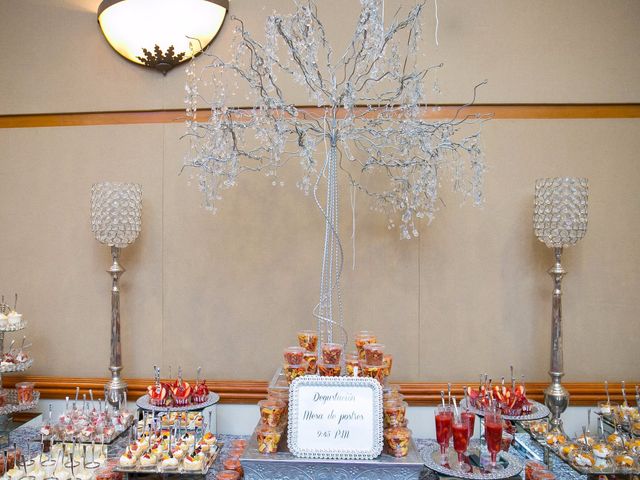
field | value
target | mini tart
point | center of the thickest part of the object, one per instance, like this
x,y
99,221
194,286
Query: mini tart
x,y
204,446
127,460
148,460
556,439
568,449
209,438
585,440
583,460
169,462
188,438
624,461
178,453
615,440
192,463
601,450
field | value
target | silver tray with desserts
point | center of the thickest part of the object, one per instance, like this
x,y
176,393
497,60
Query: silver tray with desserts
x,y
144,403
179,469
607,457
510,465
538,412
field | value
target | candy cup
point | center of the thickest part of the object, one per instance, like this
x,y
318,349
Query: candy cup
x,y
308,339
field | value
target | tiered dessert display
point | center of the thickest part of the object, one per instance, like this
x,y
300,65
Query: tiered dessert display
x,y
267,454
613,452
86,423
14,359
173,437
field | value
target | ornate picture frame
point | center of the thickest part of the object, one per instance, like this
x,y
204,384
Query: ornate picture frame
x,y
335,418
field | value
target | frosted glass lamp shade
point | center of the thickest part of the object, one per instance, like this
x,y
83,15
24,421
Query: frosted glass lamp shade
x,y
157,33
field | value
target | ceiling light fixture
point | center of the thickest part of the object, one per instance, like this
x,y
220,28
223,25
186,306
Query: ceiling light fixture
x,y
157,33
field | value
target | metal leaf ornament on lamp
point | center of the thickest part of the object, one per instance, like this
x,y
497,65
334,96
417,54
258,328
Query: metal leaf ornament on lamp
x,y
158,33
116,220
559,220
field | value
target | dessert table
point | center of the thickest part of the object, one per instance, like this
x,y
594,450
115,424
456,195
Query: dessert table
x,y
524,447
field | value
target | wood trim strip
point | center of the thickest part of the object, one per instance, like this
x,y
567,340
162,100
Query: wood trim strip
x,y
250,391
499,111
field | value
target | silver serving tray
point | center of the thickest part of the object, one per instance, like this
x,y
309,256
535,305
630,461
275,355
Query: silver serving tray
x,y
143,403
539,411
259,466
157,469
431,456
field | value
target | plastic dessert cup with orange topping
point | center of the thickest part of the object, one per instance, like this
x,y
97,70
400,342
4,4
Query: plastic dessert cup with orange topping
x,y
374,354
268,439
331,353
351,363
311,358
396,440
293,355
364,338
291,372
271,411
308,339
395,412
329,370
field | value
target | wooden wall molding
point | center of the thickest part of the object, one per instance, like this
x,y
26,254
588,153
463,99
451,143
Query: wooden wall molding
x,y
250,391
499,111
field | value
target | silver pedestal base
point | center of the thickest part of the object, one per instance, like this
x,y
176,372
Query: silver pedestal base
x,y
258,466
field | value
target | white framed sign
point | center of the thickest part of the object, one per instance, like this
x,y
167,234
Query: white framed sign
x,y
335,417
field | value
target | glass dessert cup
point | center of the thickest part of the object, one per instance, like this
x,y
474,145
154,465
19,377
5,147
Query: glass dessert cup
x,y
271,411
351,363
294,355
233,463
25,392
363,338
388,363
228,475
311,359
395,412
331,353
444,419
373,371
374,354
397,441
329,370
267,439
291,372
308,339
460,430
493,436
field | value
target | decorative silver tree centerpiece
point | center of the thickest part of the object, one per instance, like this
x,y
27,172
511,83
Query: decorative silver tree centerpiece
x,y
116,220
368,118
559,220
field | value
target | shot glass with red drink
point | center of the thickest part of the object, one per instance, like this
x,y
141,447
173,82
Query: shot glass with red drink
x,y
471,418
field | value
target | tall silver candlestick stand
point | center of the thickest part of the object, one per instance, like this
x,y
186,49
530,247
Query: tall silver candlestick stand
x,y
559,220
116,213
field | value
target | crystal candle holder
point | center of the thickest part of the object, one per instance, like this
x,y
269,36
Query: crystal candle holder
x,y
560,210
559,220
116,213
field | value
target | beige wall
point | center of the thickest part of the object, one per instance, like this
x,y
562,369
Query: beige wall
x,y
228,291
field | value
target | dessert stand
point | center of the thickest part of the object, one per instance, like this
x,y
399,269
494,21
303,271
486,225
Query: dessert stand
x,y
284,464
12,405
